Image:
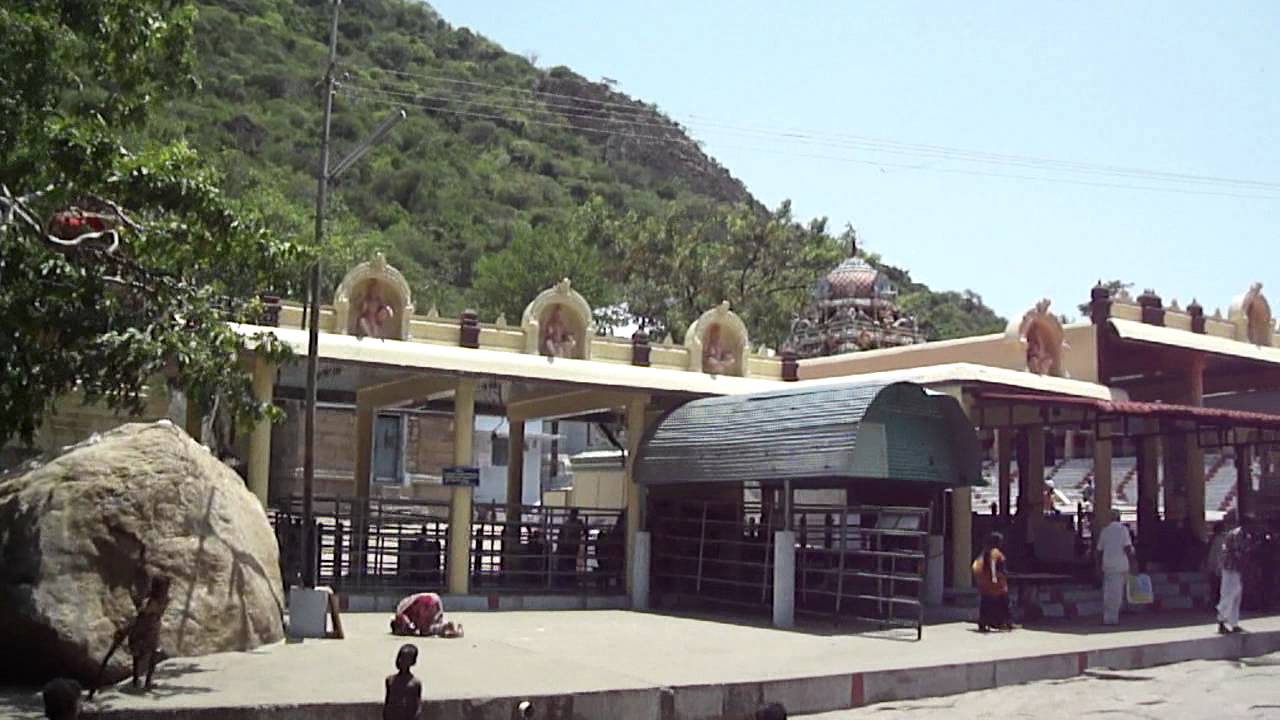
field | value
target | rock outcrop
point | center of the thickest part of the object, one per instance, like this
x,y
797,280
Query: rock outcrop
x,y
80,534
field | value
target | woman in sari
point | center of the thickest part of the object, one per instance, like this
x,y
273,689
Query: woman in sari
x,y
993,586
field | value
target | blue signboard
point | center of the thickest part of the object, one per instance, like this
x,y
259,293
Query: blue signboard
x,y
458,475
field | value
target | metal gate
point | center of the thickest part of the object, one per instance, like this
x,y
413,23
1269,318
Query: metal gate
x,y
403,547
718,553
853,562
548,550
863,563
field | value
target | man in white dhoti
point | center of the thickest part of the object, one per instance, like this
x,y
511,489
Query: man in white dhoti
x,y
1115,553
1231,586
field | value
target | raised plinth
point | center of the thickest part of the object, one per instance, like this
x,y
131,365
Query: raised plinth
x,y
640,666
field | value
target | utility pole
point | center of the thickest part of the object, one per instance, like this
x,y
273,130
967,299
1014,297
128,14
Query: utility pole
x,y
309,558
310,551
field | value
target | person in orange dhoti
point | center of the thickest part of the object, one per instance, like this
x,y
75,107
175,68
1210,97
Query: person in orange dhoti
x,y
989,574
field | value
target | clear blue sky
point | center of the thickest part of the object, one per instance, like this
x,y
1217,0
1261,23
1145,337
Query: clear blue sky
x,y
1178,87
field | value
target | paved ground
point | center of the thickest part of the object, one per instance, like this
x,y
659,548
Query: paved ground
x,y
563,652
1246,689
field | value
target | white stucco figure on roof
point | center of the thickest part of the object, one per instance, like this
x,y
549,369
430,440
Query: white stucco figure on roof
x,y
558,323
718,343
373,300
1042,337
1251,314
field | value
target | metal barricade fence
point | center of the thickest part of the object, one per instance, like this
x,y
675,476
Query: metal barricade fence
x,y
862,562
548,549
392,545
718,553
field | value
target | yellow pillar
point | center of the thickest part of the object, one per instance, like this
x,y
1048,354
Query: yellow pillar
x,y
1004,475
1035,481
258,472
1102,486
460,513
961,537
634,493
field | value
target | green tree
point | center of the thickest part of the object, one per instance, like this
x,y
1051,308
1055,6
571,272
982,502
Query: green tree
x,y
154,296
541,256
1115,287
686,261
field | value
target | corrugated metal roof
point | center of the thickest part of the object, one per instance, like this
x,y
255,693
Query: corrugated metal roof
x,y
853,430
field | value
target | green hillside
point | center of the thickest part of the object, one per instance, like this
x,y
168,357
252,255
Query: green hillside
x,y
495,150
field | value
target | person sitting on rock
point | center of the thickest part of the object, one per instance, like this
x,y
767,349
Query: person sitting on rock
x,y
423,614
404,692
61,699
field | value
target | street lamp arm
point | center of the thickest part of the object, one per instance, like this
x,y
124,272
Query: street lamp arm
x,y
390,122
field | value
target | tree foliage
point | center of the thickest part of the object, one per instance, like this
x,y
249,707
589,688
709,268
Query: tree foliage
x,y
680,263
77,81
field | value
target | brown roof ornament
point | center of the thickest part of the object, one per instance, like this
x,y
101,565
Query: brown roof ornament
x,y
1197,317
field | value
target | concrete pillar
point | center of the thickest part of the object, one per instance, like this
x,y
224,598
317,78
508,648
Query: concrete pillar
x,y
961,537
1244,481
1004,459
1034,482
365,413
638,572
460,500
1103,491
515,466
1174,458
1195,490
784,579
635,495
1069,445
1148,487
258,470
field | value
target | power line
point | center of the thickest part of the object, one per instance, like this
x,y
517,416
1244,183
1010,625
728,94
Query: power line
x,y
483,104
366,96
471,89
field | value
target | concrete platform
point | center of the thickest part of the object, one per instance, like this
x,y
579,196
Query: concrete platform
x,y
637,666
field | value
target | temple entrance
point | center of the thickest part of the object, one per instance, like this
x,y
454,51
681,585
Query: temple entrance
x,y
852,563
815,502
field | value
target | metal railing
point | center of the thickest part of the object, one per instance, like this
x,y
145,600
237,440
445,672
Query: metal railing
x,y
391,545
548,550
719,553
864,563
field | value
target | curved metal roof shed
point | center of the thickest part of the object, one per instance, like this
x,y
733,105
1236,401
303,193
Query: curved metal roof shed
x,y
815,435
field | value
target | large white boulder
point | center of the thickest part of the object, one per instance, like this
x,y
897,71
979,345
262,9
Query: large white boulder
x,y
80,533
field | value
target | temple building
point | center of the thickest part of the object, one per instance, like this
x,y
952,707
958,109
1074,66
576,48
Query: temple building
x,y
854,308
789,483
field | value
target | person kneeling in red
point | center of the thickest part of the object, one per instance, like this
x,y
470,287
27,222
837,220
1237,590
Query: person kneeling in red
x,y
423,614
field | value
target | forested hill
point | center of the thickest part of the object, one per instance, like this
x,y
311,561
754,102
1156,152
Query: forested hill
x,y
498,157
